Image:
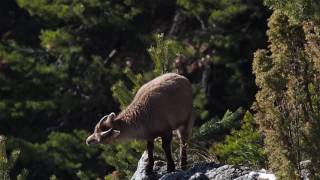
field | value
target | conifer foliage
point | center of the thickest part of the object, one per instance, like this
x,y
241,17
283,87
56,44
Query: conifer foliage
x,y
244,146
61,61
216,128
287,102
6,164
298,10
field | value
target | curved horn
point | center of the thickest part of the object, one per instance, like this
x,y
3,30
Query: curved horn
x,y
102,119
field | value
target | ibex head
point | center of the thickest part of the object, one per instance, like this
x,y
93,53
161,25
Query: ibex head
x,y
103,131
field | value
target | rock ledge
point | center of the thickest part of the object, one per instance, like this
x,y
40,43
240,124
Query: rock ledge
x,y
203,171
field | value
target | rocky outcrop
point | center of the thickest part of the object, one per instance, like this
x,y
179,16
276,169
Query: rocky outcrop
x,y
203,171
305,170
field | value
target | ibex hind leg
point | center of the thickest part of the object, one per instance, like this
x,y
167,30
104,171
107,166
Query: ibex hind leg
x,y
183,133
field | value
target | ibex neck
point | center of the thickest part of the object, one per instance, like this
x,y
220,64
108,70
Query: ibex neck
x,y
133,113
129,121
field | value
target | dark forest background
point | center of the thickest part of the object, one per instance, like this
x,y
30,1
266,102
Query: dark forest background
x,y
65,64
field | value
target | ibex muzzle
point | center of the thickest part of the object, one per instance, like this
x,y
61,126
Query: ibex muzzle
x,y
103,136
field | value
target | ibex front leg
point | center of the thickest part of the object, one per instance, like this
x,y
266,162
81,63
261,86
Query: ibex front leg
x,y
150,147
166,145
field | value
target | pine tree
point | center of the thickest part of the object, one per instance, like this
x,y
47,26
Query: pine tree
x,y
58,60
228,32
163,54
6,164
287,103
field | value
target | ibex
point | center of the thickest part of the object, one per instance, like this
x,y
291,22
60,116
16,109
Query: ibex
x,y
160,106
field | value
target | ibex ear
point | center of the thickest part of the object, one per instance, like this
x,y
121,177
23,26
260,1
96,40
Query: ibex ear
x,y
111,117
